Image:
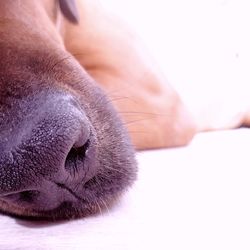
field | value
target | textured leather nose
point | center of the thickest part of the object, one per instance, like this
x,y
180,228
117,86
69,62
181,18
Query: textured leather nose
x,y
51,146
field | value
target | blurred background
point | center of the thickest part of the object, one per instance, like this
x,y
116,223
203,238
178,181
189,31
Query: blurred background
x,y
202,46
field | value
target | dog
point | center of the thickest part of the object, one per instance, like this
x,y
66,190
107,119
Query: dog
x,y
64,150
78,95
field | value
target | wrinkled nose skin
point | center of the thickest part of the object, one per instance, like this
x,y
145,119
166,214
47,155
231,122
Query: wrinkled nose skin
x,y
51,147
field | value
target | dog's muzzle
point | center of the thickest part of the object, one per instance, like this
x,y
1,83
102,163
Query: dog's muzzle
x,y
48,145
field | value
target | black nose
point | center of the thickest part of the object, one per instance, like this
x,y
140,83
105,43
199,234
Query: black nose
x,y
47,147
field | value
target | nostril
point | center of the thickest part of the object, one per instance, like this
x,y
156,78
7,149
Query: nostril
x,y
25,196
28,196
76,157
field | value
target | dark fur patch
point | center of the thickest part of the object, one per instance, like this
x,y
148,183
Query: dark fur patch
x,y
69,10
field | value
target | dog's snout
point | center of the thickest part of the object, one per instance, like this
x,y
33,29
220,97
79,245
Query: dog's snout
x,y
48,149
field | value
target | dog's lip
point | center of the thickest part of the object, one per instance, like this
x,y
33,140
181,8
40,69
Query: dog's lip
x,y
15,200
25,210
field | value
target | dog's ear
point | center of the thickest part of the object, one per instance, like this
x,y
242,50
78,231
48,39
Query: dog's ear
x,y
69,10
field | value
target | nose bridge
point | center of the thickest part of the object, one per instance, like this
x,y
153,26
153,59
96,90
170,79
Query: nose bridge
x,y
38,145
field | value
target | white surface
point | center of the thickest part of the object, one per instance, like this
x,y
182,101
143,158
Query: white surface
x,y
196,197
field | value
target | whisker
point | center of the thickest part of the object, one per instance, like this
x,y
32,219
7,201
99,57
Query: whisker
x,y
118,98
114,169
58,62
138,120
143,113
109,99
99,207
81,182
123,96
98,181
105,205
